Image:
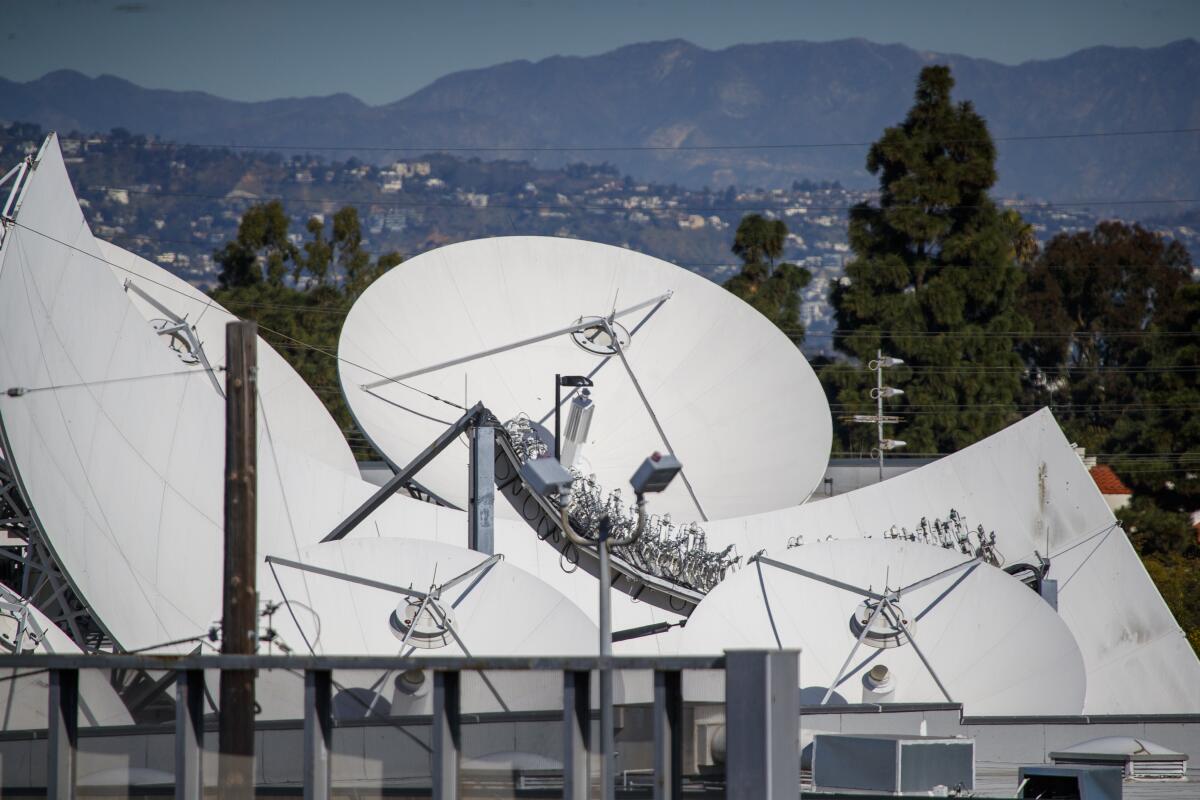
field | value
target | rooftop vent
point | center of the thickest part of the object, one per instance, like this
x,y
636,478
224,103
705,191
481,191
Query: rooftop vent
x,y
1139,759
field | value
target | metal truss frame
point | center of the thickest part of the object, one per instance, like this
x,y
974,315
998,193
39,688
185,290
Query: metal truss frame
x,y
34,573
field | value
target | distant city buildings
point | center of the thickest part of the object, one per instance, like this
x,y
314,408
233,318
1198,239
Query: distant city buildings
x,y
186,202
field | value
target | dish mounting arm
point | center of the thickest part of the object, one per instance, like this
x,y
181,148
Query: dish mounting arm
x,y
473,416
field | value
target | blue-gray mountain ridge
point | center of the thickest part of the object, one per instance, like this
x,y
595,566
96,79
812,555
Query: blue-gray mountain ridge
x,y
673,93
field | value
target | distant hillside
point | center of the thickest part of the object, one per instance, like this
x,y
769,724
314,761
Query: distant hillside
x,y
674,93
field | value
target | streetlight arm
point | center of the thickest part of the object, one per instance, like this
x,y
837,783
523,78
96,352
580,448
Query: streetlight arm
x,y
565,524
613,541
638,531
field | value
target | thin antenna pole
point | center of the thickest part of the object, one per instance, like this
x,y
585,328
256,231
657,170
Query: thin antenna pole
x,y
239,624
879,406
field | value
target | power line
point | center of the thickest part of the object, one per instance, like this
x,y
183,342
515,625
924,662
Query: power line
x,y
141,238
591,147
885,334
1047,204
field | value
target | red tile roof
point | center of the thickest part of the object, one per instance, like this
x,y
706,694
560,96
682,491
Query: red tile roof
x,y
1108,481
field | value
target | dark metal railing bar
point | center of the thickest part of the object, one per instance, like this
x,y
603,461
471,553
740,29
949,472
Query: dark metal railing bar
x,y
303,663
447,738
189,735
577,734
318,733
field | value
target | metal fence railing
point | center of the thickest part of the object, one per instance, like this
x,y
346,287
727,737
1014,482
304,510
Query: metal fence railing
x,y
761,715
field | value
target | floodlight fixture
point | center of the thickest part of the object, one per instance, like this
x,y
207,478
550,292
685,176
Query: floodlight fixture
x,y
885,361
575,382
885,391
655,474
547,477
892,444
579,422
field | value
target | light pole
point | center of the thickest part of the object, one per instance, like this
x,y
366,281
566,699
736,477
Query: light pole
x,y
547,476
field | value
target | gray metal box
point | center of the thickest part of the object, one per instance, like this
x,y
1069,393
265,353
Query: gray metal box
x,y
1083,782
892,763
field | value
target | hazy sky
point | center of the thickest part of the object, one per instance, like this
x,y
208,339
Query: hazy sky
x,y
382,51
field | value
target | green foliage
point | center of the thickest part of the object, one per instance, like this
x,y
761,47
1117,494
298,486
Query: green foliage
x,y
304,320
772,289
1163,432
1098,299
1155,532
261,250
1118,351
936,256
1178,580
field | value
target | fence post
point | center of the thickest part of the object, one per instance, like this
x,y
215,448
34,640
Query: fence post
x,y
762,725
63,723
318,733
577,733
189,734
668,735
446,737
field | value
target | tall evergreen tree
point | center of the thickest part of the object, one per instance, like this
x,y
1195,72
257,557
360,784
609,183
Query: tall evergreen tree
x,y
773,289
934,279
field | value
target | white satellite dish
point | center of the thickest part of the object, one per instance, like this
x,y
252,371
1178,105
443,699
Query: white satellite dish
x,y
118,444
678,364
884,621
193,324
384,596
1027,484
23,693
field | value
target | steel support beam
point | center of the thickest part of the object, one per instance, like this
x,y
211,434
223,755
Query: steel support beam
x,y
577,734
762,725
62,736
481,490
318,733
447,740
189,735
412,468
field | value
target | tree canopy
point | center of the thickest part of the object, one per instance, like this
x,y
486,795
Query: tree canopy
x,y
300,295
772,289
934,279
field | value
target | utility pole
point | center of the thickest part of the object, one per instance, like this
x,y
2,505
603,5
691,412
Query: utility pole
x,y
239,618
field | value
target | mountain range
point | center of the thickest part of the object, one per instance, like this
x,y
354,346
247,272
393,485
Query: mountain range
x,y
762,99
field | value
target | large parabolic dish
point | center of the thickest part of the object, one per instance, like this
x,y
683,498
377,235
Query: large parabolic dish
x,y
23,694
1028,485
118,444
417,598
686,367
934,625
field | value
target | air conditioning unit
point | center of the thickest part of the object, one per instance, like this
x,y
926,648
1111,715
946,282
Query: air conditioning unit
x,y
892,763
